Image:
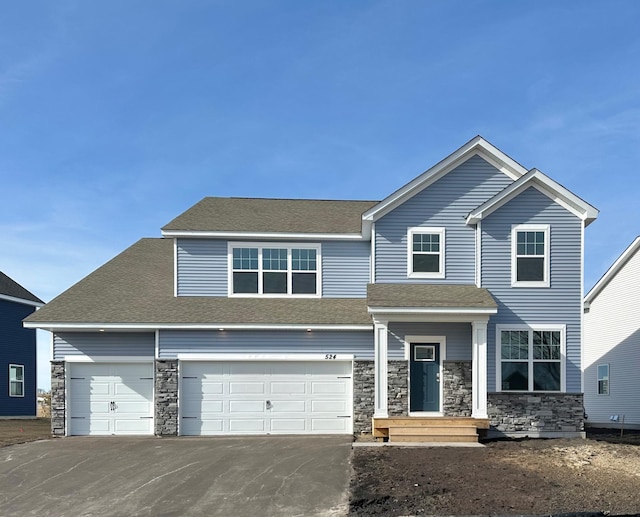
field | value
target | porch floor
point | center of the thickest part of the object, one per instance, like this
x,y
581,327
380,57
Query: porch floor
x,y
429,429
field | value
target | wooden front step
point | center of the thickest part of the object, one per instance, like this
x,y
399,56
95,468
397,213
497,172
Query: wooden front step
x,y
466,434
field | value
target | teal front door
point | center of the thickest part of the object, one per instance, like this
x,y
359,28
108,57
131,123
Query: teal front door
x,y
424,373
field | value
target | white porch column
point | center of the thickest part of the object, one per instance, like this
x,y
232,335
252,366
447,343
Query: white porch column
x,y
479,369
380,369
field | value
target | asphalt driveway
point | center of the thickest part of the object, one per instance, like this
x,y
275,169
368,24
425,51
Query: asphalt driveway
x,y
276,475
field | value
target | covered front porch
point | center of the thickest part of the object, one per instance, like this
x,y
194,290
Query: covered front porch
x,y
430,361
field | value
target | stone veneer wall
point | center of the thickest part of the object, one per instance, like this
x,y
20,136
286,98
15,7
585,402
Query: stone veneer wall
x,y
398,379
363,396
166,397
457,388
58,403
536,413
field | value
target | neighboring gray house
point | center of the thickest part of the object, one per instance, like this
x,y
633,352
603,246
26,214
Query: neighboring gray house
x,y
456,301
612,344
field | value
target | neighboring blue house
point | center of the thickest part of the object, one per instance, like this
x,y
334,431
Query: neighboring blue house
x,y
17,350
454,302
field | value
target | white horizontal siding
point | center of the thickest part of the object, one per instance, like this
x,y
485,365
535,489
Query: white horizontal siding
x,y
174,342
561,303
443,204
202,267
97,344
612,336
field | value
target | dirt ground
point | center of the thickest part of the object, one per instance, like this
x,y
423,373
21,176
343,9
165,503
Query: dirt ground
x,y
600,474
23,430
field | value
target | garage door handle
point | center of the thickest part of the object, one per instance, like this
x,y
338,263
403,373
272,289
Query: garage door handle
x,y
269,404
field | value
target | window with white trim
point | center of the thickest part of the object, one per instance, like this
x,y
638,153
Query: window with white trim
x,y
16,380
530,255
530,359
425,253
274,270
603,379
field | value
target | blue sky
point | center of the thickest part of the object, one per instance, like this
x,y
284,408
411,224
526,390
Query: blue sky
x,y
117,116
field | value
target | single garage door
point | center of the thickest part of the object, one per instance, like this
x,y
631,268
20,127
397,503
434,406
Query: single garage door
x,y
111,398
266,397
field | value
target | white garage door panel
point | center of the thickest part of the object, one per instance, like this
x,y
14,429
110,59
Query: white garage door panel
x,y
111,398
265,397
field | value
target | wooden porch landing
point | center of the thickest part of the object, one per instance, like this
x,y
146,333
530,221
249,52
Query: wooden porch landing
x,y
429,429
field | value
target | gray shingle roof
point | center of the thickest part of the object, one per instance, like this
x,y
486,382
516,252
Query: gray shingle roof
x,y
219,214
10,287
137,287
429,295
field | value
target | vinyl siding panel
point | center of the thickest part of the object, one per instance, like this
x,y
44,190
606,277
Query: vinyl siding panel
x,y
17,346
458,337
445,203
345,269
202,267
561,303
174,342
612,336
96,344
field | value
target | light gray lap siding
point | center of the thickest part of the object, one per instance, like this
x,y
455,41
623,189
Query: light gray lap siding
x,y
561,303
458,337
345,269
445,203
202,267
174,342
97,344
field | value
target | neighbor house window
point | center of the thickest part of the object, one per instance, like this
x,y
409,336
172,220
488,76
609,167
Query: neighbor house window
x,y
603,379
530,359
274,270
530,256
425,252
16,380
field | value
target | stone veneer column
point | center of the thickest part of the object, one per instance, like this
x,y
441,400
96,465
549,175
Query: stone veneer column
x,y
58,402
398,402
166,397
457,388
363,395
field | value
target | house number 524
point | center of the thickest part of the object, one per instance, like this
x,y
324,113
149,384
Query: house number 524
x,y
330,356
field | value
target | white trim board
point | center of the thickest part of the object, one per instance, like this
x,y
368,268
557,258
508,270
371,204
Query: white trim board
x,y
20,300
265,357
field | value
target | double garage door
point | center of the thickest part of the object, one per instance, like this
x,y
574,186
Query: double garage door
x,y
216,398
265,397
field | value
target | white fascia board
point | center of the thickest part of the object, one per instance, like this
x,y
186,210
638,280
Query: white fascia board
x,y
431,310
476,146
264,357
70,327
612,271
107,359
542,182
20,300
267,235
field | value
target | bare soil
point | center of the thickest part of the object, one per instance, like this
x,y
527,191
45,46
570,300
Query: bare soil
x,y
600,474
23,430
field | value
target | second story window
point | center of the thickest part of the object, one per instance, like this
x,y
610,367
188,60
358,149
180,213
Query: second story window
x,y
274,270
425,252
530,256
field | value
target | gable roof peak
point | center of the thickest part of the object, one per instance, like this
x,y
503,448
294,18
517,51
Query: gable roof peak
x,y
476,146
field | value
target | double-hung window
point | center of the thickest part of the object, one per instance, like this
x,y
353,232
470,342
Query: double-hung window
x,y
603,379
16,380
530,359
425,252
530,255
274,270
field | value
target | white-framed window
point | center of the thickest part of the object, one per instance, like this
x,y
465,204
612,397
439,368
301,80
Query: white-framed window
x,y
530,255
530,358
603,379
276,270
425,252
16,380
